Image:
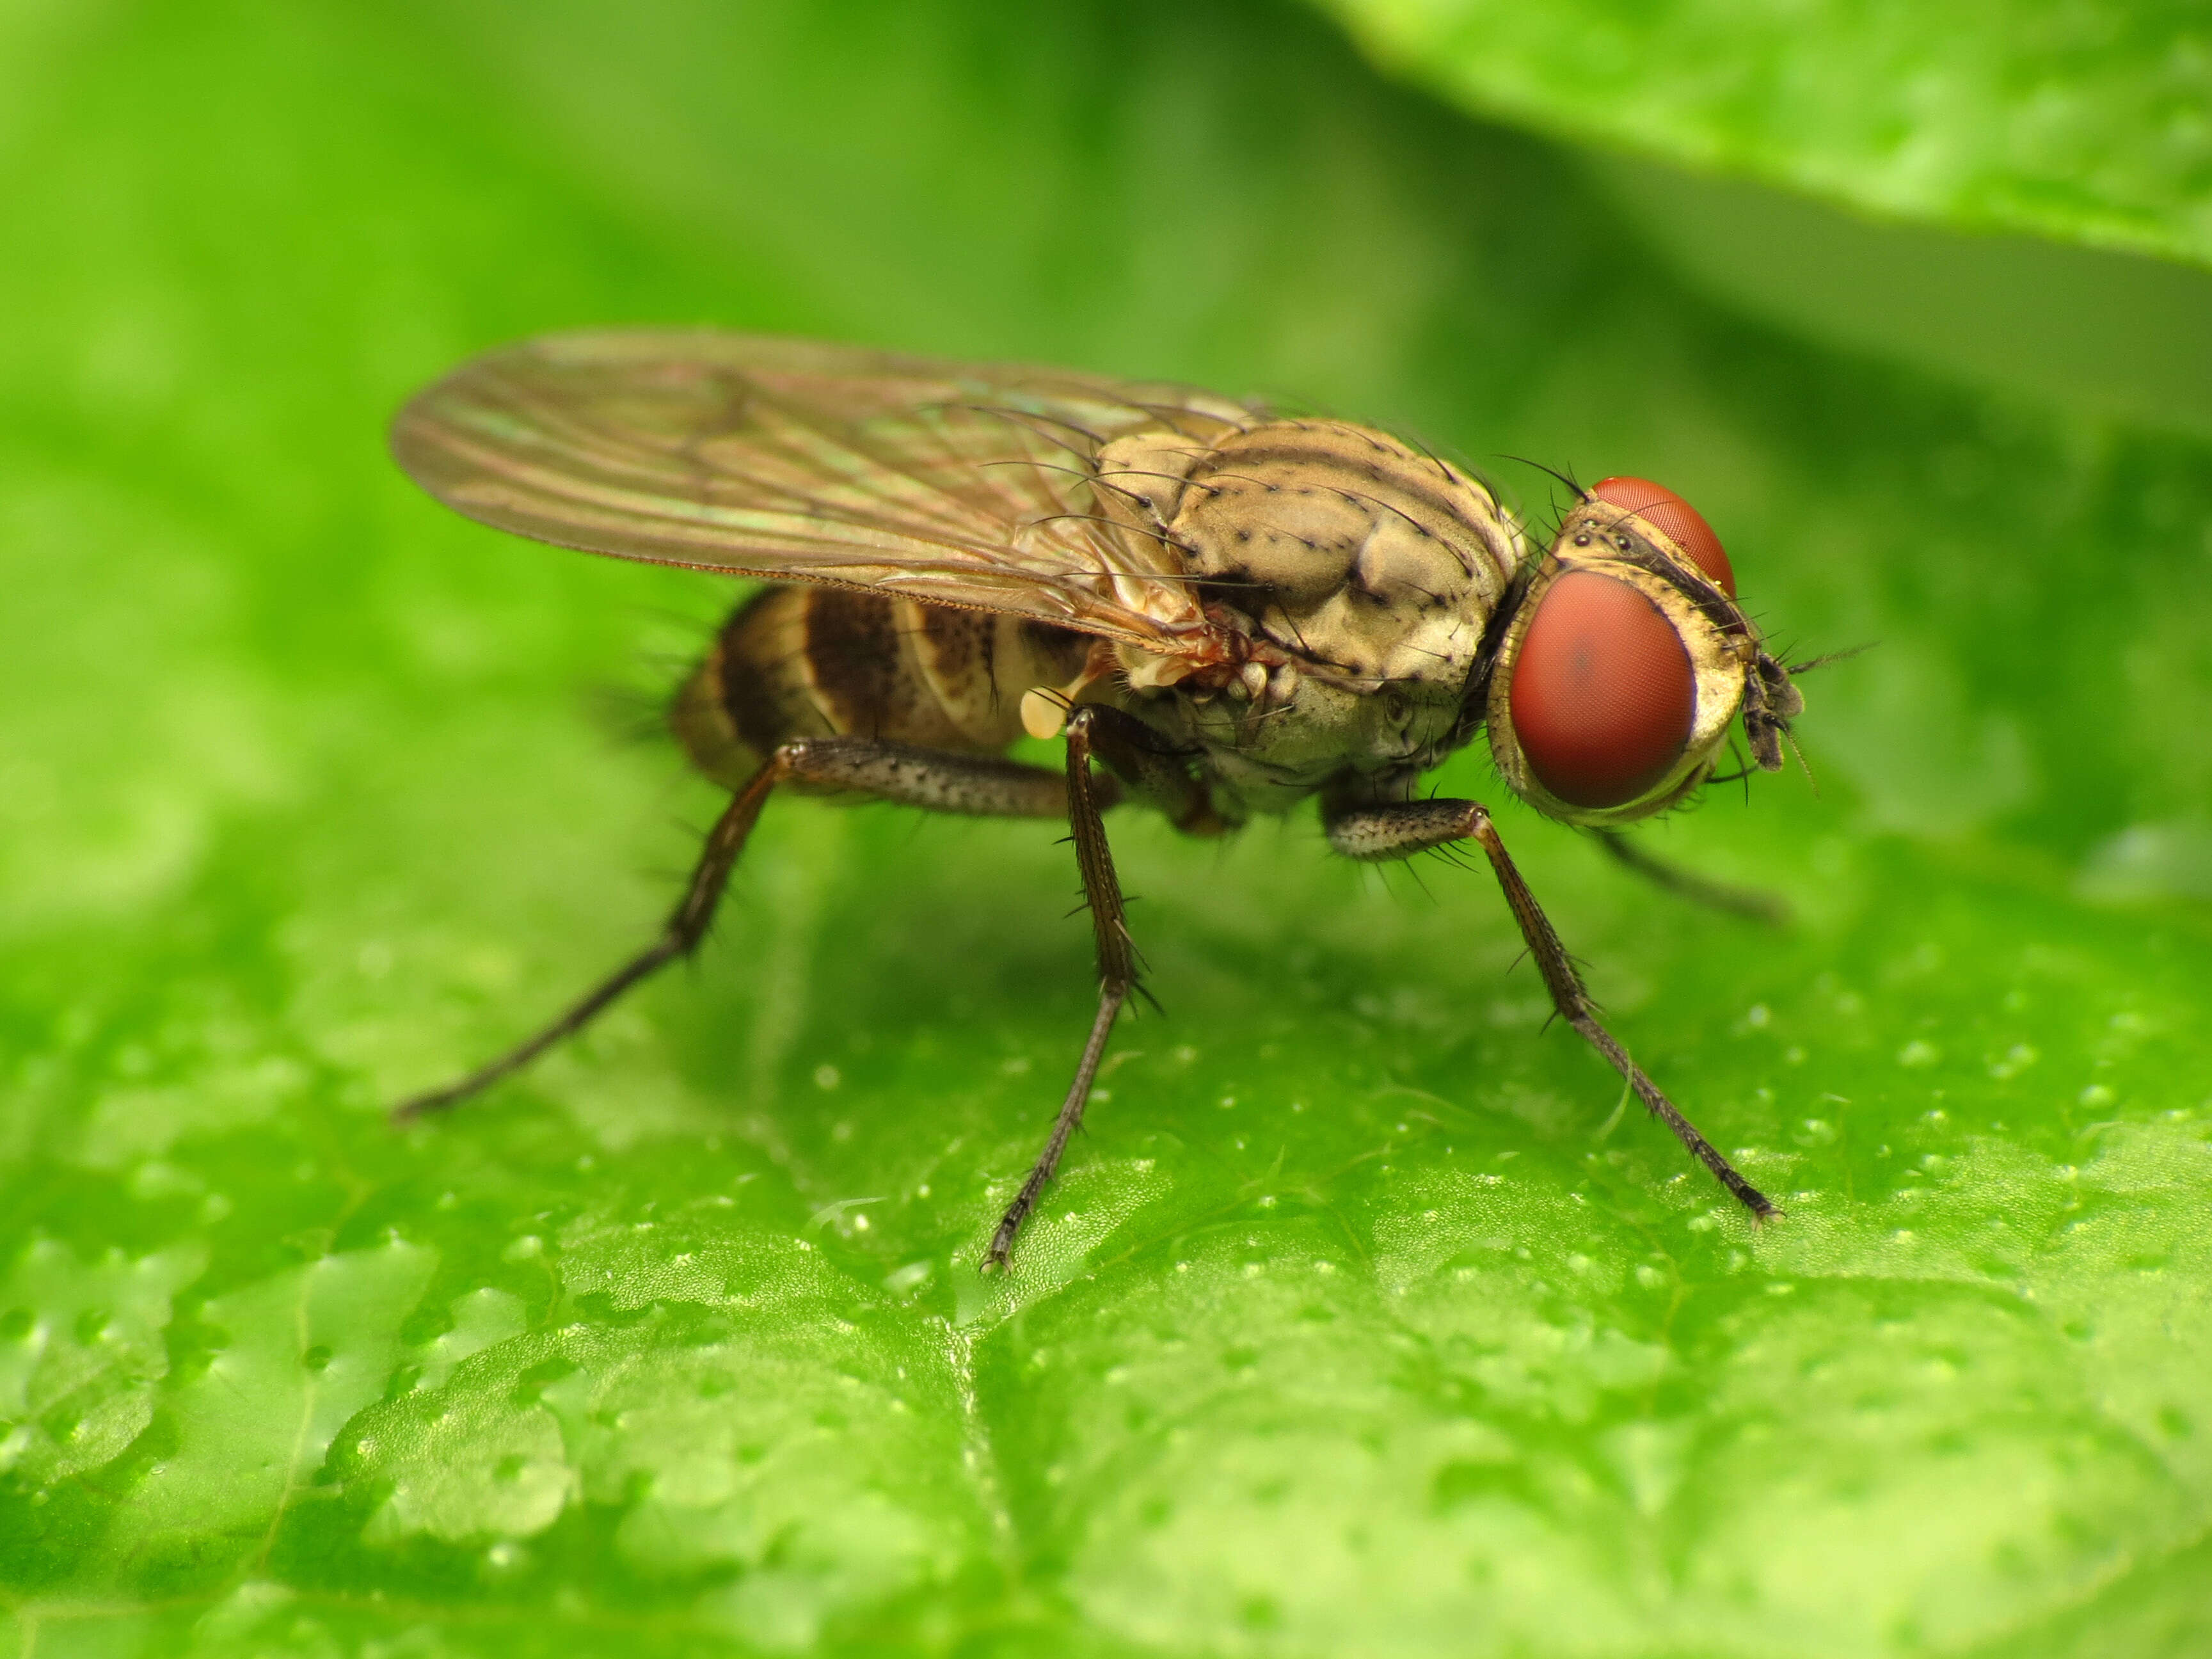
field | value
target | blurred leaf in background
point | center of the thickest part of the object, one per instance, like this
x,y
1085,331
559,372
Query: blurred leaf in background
x,y
2081,122
1360,1321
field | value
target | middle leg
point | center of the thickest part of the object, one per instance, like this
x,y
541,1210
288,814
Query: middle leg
x,y
1091,729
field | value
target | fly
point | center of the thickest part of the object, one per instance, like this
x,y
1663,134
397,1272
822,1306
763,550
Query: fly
x,y
1224,612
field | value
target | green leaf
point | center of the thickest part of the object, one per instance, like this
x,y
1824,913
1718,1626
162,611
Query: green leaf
x,y
1363,1318
2081,122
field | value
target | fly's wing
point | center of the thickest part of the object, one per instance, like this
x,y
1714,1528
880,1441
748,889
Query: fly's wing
x,y
954,484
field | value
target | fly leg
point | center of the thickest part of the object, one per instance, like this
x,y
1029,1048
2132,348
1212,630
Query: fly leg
x,y
1745,901
978,785
1161,777
1397,830
1122,739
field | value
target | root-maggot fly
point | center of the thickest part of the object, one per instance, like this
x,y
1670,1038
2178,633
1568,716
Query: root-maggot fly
x,y
1224,611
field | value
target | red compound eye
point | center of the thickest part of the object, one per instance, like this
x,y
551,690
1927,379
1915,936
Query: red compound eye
x,y
1676,518
1604,694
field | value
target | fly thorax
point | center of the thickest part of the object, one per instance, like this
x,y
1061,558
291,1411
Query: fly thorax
x,y
1138,478
1365,559
1366,573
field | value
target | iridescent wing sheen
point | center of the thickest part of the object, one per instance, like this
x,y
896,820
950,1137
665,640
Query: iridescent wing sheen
x,y
950,483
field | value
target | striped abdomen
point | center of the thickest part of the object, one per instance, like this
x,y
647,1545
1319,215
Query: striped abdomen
x,y
813,662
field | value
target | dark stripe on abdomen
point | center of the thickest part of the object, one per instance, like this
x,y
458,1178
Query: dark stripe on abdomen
x,y
852,658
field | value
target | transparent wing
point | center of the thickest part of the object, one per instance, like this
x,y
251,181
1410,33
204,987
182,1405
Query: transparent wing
x,y
955,484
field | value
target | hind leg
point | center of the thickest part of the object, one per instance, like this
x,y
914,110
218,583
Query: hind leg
x,y
978,785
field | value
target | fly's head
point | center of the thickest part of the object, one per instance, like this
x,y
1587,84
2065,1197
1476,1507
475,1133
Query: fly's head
x,y
1620,661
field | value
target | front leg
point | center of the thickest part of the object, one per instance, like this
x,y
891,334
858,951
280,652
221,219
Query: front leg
x,y
1399,829
1747,902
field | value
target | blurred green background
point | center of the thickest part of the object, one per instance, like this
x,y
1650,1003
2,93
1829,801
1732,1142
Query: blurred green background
x,y
1361,1321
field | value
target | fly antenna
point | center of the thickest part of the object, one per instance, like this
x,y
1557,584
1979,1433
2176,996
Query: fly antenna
x,y
1826,657
1798,755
